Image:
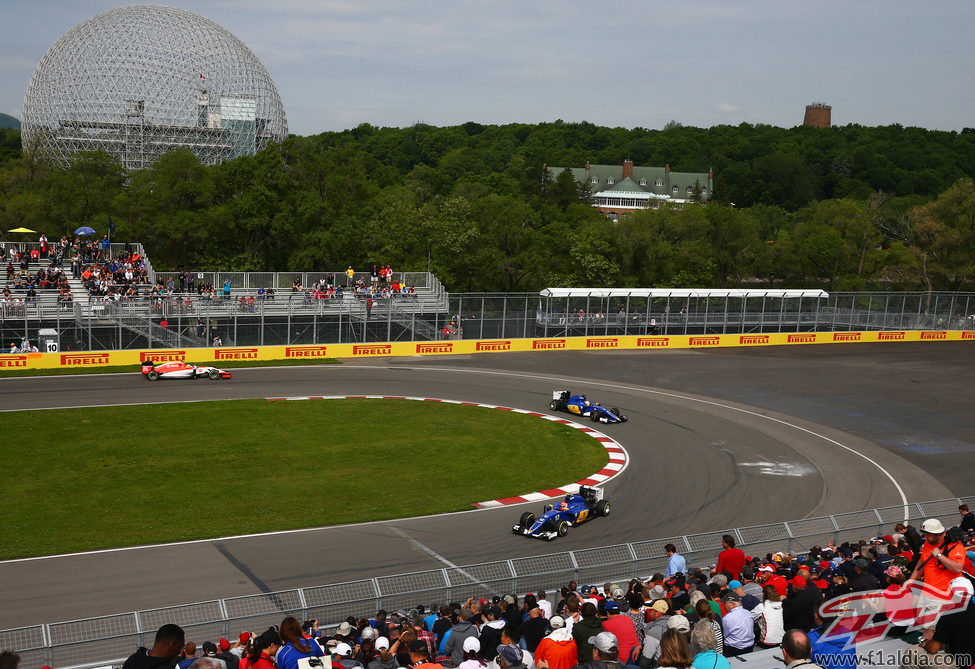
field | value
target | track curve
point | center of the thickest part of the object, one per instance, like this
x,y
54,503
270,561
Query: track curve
x,y
700,461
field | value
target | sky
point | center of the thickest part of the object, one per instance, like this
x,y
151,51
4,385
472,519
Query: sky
x,y
340,63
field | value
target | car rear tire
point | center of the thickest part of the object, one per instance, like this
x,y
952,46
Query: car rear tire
x,y
553,405
527,519
152,375
563,528
213,374
602,507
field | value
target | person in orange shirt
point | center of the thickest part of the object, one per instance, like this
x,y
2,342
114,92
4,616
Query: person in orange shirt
x,y
941,560
558,650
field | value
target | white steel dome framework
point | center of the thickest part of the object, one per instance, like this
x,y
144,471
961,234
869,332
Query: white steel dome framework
x,y
139,81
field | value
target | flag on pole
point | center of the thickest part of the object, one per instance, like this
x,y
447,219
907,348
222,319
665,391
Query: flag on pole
x,y
111,226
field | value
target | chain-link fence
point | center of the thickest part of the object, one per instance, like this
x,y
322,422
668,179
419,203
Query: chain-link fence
x,y
107,640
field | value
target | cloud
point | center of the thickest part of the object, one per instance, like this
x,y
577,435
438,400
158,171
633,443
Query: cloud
x,y
728,108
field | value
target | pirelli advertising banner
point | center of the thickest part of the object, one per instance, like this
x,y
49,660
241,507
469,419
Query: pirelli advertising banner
x,y
222,355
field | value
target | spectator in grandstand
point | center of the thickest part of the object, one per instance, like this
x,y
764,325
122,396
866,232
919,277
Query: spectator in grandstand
x,y
587,627
217,341
941,560
706,650
10,660
511,656
544,604
294,645
165,650
240,647
461,630
675,651
534,628
675,561
342,656
730,559
623,629
188,656
634,602
967,522
231,659
209,659
558,650
442,624
953,633
739,635
799,606
706,617
473,658
604,652
490,632
862,578
797,650
416,622
419,658
768,619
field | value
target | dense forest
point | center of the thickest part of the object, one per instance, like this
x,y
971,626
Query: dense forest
x,y
842,208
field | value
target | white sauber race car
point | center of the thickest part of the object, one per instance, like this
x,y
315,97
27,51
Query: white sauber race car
x,y
179,369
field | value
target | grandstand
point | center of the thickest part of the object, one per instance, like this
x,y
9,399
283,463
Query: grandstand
x,y
275,308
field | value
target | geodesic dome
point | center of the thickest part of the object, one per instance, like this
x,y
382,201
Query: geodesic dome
x,y
139,81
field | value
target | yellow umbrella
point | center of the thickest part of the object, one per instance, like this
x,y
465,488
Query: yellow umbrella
x,y
21,229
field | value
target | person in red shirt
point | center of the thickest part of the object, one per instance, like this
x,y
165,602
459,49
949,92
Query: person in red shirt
x,y
730,559
264,648
558,650
623,628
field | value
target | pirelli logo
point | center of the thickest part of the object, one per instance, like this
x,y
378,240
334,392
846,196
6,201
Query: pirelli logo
x,y
968,335
235,354
705,341
438,347
78,359
305,351
805,338
162,356
7,361
547,344
753,339
891,336
930,336
652,342
846,336
493,345
372,349
602,342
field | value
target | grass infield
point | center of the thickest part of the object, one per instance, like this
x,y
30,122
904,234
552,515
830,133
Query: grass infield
x,y
85,479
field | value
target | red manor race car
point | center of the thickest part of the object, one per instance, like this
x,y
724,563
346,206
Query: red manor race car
x,y
180,369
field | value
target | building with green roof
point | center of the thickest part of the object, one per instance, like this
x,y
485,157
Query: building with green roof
x,y
618,190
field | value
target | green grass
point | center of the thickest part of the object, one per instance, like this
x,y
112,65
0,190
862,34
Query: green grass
x,y
221,364
81,479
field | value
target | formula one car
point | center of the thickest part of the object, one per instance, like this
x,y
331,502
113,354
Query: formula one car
x,y
179,369
563,400
555,520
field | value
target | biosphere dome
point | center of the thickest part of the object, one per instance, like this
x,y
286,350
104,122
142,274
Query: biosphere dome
x,y
139,81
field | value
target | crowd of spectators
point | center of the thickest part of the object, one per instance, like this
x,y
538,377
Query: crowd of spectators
x,y
381,285
687,617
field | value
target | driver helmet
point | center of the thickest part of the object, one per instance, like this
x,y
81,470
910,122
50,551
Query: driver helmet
x,y
564,506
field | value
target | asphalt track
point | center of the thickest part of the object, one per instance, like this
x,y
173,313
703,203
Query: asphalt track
x,y
717,439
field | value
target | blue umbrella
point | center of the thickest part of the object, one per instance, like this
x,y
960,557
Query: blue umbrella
x,y
84,230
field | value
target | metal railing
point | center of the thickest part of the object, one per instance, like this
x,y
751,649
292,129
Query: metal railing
x,y
108,640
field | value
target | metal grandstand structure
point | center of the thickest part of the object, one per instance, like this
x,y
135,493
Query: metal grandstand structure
x,y
139,81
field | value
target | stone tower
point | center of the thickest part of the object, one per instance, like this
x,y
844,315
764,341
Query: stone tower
x,y
817,115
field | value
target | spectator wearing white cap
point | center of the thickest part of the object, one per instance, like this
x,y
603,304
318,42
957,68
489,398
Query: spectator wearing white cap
x,y
473,659
605,652
941,559
558,650
385,659
342,656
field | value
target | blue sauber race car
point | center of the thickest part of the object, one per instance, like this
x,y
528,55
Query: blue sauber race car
x,y
555,520
578,405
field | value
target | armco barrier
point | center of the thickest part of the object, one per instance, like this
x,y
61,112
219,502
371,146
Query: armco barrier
x,y
95,359
108,640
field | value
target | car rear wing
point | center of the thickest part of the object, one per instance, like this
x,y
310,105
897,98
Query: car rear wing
x,y
593,495
561,394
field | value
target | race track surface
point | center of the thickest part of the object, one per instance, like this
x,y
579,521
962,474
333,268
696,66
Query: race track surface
x,y
716,439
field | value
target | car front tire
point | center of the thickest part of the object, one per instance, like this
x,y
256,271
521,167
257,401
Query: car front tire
x,y
563,528
527,519
213,374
